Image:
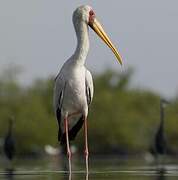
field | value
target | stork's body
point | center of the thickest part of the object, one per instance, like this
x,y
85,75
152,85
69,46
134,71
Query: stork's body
x,y
73,97
74,85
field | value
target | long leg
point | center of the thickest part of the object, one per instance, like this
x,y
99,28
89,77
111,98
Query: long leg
x,y
68,146
86,143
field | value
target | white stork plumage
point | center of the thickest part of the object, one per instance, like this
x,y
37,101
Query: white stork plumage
x,y
73,91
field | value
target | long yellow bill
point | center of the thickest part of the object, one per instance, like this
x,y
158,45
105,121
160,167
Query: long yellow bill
x,y
96,26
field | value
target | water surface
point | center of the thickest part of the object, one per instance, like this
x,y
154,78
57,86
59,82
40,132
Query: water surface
x,y
100,168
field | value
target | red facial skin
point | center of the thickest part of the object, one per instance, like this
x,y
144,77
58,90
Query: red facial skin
x,y
91,17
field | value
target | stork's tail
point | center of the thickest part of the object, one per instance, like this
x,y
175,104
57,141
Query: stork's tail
x,y
72,133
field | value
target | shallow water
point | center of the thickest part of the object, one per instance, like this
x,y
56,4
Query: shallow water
x,y
99,168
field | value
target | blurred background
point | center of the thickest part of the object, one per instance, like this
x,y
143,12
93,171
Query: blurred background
x,y
37,37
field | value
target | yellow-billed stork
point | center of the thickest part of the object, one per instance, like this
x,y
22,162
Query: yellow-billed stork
x,y
73,91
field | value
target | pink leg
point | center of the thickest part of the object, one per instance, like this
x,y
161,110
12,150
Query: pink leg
x,y
68,146
86,143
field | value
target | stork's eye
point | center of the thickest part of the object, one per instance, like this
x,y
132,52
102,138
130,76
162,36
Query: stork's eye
x,y
91,16
91,13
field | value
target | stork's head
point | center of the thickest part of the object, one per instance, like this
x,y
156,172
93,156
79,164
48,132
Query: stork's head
x,y
85,13
82,13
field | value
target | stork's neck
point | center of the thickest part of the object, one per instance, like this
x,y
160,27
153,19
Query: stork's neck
x,y
80,54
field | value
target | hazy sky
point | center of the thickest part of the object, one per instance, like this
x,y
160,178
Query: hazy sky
x,y
39,36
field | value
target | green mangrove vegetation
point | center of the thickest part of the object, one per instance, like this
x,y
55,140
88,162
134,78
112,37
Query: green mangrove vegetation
x,y
121,119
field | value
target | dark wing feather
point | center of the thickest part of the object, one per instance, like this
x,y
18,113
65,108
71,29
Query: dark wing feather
x,y
58,115
58,100
89,87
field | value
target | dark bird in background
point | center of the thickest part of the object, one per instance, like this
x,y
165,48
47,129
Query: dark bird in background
x,y
160,136
159,146
9,143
